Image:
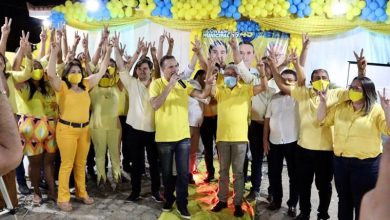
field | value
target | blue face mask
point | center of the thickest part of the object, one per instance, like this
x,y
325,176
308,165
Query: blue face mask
x,y
230,81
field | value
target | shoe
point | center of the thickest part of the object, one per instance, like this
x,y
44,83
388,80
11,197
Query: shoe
x,y
219,206
209,179
133,197
238,212
118,185
168,206
252,196
85,200
157,197
292,211
65,206
274,206
302,216
23,189
184,213
43,184
323,216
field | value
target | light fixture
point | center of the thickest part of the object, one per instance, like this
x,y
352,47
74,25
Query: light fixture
x,y
46,23
92,5
339,8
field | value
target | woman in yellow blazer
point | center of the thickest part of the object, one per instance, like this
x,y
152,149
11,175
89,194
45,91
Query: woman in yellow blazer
x,y
358,125
72,131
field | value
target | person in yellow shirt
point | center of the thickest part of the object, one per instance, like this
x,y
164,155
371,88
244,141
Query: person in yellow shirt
x,y
314,156
105,126
169,99
234,102
72,131
358,125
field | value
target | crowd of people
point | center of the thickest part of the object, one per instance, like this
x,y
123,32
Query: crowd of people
x,y
72,109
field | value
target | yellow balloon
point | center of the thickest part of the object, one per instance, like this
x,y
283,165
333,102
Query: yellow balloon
x,y
269,7
283,13
277,8
181,14
204,2
362,4
285,5
208,7
256,10
186,6
213,15
241,9
215,2
178,5
249,7
188,16
263,13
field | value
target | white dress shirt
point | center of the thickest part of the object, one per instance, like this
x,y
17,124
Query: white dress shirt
x,y
284,119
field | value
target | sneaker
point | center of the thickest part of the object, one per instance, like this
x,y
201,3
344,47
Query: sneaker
x,y
302,216
252,196
168,206
323,216
184,213
274,206
238,212
220,205
292,211
209,179
157,197
23,189
133,197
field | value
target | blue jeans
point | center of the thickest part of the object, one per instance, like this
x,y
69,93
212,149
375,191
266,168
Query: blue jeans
x,y
20,174
181,150
353,178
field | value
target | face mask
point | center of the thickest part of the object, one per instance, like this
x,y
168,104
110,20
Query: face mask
x,y
320,85
37,74
354,95
111,70
230,81
106,82
75,78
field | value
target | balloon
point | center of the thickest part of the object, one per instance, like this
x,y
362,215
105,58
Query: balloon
x,y
232,9
300,14
379,12
307,11
296,2
373,5
366,12
236,15
224,4
293,9
306,1
301,6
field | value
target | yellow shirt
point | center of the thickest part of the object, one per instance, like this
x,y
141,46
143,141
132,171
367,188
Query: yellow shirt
x,y
74,106
233,109
123,107
104,105
311,135
171,119
356,135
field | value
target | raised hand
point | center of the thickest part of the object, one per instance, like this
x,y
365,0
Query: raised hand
x,y
63,31
260,66
43,35
294,57
153,49
105,32
140,44
196,45
170,39
76,38
145,48
6,28
305,40
122,49
115,39
361,60
55,47
385,101
162,37
233,42
70,55
25,44
84,42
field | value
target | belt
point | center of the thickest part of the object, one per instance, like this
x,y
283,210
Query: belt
x,y
73,124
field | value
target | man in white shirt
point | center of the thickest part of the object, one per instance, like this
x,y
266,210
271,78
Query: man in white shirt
x,y
280,141
140,117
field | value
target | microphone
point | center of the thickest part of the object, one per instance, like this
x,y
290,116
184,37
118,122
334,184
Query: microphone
x,y
182,83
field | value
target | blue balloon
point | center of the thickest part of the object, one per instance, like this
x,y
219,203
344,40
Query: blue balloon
x,y
383,18
156,1
156,11
373,5
237,3
221,14
293,9
372,17
167,2
229,14
237,15
379,12
381,3
365,12
168,5
161,4
306,1
296,2
300,14
301,6
224,4
250,29
165,11
232,9
307,11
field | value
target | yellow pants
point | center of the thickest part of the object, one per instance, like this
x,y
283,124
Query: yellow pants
x,y
73,144
101,139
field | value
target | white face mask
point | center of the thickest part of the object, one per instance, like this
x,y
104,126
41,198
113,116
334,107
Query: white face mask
x,y
230,81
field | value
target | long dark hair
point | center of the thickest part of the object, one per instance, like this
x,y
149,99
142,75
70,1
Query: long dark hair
x,y
32,87
68,66
369,93
5,65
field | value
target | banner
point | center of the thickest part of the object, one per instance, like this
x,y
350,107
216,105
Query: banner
x,y
216,43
